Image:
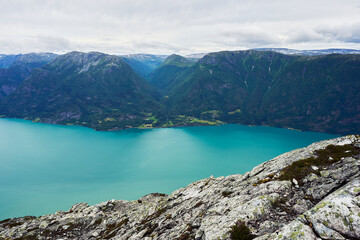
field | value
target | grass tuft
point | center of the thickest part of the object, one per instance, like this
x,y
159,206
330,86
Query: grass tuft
x,y
240,232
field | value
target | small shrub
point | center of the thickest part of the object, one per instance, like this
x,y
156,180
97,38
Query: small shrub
x,y
198,204
278,203
184,236
262,181
151,228
240,232
226,193
98,221
324,157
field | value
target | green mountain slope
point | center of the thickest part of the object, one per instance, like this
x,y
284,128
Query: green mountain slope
x,y
91,89
170,73
226,82
318,93
19,68
143,64
315,93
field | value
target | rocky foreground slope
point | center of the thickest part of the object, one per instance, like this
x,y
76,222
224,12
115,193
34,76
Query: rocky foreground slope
x,y
309,193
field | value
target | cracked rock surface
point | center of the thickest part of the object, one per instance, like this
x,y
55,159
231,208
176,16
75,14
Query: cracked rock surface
x,y
323,204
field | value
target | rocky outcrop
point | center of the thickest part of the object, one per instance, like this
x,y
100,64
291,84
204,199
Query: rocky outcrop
x,y
309,193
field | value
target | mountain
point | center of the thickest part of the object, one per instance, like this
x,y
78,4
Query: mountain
x,y
91,89
317,93
18,67
309,193
8,60
170,73
143,64
310,52
195,56
310,93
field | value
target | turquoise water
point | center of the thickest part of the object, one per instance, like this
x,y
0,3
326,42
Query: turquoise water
x,y
45,168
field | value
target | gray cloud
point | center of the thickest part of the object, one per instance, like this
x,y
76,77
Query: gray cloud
x,y
249,37
162,26
303,36
344,32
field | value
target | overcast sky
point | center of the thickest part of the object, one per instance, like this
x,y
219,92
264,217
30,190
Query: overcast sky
x,y
172,26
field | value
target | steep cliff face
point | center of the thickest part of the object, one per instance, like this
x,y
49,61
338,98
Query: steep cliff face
x,y
309,193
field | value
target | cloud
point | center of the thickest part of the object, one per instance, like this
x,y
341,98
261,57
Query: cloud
x,y
53,43
154,45
349,33
36,44
303,36
248,36
162,26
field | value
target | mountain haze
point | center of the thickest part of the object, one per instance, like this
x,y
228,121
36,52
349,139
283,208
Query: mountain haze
x,y
143,64
15,68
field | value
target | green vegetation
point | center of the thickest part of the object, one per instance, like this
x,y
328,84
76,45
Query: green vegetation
x,y
268,88
196,120
236,111
324,157
143,64
240,232
170,73
19,68
168,124
95,90
318,93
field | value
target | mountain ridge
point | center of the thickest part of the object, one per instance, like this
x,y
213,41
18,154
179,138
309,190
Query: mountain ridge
x,y
91,89
169,73
15,68
240,86
310,93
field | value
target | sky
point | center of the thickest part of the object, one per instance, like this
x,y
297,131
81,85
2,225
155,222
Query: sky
x,y
176,26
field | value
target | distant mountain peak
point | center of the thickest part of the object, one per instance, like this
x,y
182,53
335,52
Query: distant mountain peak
x,y
178,60
288,51
83,61
195,56
143,64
